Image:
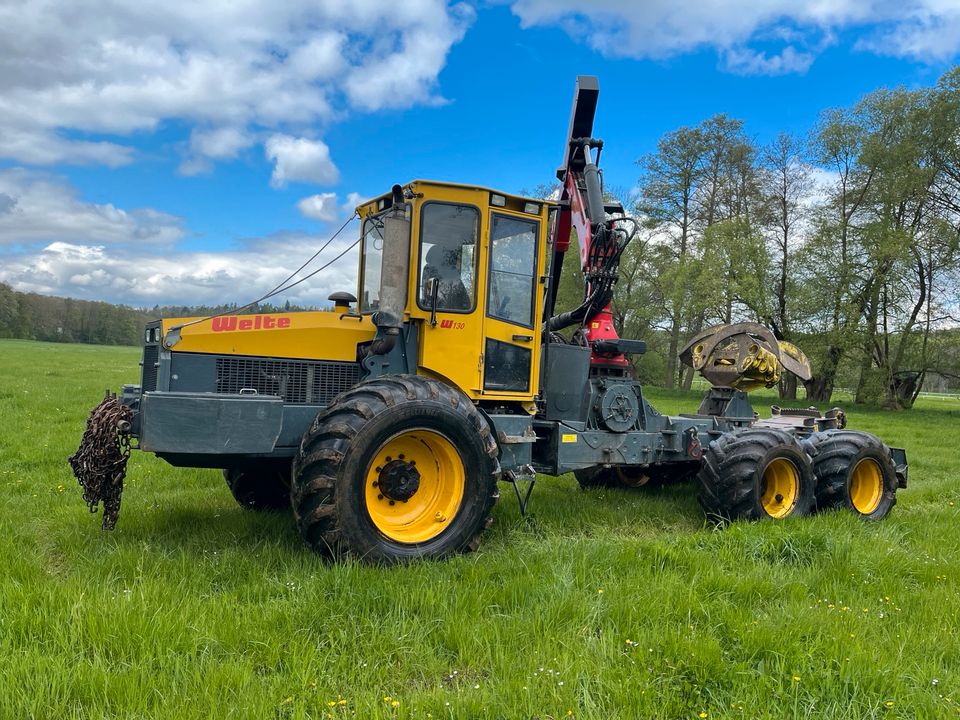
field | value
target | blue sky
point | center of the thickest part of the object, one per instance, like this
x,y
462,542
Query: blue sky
x,y
198,152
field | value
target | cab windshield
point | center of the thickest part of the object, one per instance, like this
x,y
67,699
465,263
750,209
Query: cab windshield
x,y
372,261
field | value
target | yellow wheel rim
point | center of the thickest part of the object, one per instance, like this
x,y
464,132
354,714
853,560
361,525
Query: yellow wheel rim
x,y
414,486
866,486
780,488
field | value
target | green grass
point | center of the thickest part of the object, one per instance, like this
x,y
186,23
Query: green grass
x,y
602,604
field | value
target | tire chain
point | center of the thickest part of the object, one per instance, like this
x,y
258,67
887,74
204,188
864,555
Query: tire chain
x,y
100,463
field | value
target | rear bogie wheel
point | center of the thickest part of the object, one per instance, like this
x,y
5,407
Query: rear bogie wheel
x,y
854,471
260,485
754,474
398,468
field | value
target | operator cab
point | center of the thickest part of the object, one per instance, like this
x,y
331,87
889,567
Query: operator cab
x,y
470,261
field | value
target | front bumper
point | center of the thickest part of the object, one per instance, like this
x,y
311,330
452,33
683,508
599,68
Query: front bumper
x,y
206,424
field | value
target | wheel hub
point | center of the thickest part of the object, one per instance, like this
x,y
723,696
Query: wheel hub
x,y
399,480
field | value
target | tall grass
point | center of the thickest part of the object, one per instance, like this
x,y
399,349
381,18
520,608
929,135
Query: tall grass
x,y
602,604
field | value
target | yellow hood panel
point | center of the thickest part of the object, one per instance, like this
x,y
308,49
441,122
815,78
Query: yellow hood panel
x,y
307,335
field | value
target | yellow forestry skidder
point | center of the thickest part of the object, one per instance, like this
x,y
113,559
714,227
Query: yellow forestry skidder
x,y
387,422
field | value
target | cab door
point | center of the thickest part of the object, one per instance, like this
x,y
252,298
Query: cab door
x,y
511,343
447,291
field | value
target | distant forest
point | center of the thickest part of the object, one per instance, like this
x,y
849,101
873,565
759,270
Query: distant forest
x,y
56,319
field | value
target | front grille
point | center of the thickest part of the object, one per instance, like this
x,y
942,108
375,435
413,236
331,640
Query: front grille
x,y
314,382
151,354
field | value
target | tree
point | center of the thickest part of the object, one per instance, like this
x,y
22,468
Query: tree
x,y
668,184
786,186
9,311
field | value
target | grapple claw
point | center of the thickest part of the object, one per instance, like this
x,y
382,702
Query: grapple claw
x,y
744,356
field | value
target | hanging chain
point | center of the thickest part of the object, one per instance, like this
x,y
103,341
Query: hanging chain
x,y
100,463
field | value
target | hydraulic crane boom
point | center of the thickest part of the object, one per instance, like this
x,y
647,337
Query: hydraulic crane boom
x,y
601,240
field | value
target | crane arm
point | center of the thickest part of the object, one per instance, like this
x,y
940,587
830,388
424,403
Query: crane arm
x,y
601,241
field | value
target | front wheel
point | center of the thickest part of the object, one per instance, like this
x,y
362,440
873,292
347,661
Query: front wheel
x,y
754,474
398,468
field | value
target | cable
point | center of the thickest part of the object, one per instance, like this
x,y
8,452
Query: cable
x,y
601,274
307,277
283,287
309,260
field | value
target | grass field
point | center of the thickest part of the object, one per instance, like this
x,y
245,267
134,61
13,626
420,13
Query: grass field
x,y
602,604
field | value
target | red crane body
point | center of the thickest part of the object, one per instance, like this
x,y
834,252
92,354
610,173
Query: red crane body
x,y
583,211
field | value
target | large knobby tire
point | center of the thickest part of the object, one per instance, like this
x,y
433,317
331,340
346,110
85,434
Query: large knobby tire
x,y
854,471
755,474
635,477
397,468
260,486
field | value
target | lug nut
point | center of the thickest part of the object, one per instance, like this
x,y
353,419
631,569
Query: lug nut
x,y
375,483
392,503
379,497
440,517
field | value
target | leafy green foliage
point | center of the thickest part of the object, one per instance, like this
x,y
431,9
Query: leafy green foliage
x,y
865,263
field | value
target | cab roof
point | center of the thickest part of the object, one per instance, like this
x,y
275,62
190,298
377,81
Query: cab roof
x,y
461,186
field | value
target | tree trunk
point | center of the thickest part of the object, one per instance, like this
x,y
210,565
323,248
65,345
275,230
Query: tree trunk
x,y
788,386
904,389
674,349
863,384
820,387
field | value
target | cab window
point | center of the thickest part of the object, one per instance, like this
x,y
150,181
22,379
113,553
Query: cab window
x,y
513,269
449,235
372,262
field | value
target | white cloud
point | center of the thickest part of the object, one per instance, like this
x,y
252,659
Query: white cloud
x,y
300,159
141,275
927,30
77,80
41,147
353,199
7,203
745,61
55,243
403,76
219,143
40,208
223,143
321,207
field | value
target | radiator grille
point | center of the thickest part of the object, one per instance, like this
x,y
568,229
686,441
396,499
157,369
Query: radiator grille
x,y
315,382
151,354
